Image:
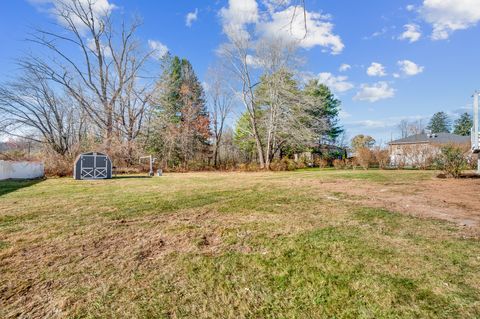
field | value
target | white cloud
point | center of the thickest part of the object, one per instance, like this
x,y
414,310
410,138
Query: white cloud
x,y
410,7
191,17
412,33
280,21
239,13
410,68
100,9
371,124
105,48
447,16
290,25
159,49
274,5
338,84
374,92
377,34
376,69
236,16
344,67
253,61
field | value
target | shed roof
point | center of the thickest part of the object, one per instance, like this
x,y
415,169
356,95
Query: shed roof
x,y
437,138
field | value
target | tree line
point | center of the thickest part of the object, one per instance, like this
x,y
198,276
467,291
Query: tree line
x,y
440,122
93,85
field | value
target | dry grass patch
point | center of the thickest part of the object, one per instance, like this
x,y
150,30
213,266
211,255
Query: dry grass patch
x,y
228,245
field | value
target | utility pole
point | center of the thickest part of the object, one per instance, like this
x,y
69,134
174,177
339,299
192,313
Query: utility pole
x,y
475,135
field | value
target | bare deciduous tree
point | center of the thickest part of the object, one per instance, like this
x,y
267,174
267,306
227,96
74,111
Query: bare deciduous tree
x,y
403,128
408,128
133,108
222,102
237,57
32,109
284,109
110,59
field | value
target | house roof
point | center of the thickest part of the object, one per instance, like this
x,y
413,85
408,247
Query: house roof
x,y
437,138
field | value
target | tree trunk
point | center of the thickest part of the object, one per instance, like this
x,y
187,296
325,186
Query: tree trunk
x,y
215,155
258,142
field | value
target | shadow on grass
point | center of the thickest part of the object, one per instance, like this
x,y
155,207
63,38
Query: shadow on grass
x,y
11,185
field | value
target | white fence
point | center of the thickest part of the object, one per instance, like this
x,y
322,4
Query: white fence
x,y
21,170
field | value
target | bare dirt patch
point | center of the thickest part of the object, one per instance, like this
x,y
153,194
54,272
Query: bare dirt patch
x,y
448,199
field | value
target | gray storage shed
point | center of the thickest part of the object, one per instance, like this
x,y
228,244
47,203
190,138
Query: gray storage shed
x,y
92,166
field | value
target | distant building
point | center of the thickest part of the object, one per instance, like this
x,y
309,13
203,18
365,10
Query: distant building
x,y
420,149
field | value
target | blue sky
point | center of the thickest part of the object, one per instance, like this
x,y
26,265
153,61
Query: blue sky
x,y
406,59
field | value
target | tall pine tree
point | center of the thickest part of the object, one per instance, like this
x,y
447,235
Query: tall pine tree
x,y
463,125
181,120
439,123
328,108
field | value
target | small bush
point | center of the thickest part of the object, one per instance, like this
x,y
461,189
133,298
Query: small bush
x,y
339,164
381,157
364,157
349,164
248,167
285,164
14,155
320,162
472,162
301,165
451,160
57,165
401,163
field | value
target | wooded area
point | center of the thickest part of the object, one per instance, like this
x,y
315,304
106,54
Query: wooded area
x,y
97,87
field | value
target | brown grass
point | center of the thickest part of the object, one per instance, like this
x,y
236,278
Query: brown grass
x,y
230,245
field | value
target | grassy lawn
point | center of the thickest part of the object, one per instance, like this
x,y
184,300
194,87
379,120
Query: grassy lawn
x,y
228,245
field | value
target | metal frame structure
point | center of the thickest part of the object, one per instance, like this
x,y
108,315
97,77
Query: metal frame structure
x,y
151,160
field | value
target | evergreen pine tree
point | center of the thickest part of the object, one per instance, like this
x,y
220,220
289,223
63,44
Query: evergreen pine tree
x,y
439,123
463,125
182,126
328,107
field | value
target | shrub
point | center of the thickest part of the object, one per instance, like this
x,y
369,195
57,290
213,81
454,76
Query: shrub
x,y
339,164
301,164
451,160
57,165
364,157
14,155
321,162
381,157
472,162
348,164
285,164
242,167
248,167
400,164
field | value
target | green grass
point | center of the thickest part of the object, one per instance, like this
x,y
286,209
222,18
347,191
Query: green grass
x,y
373,175
228,245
